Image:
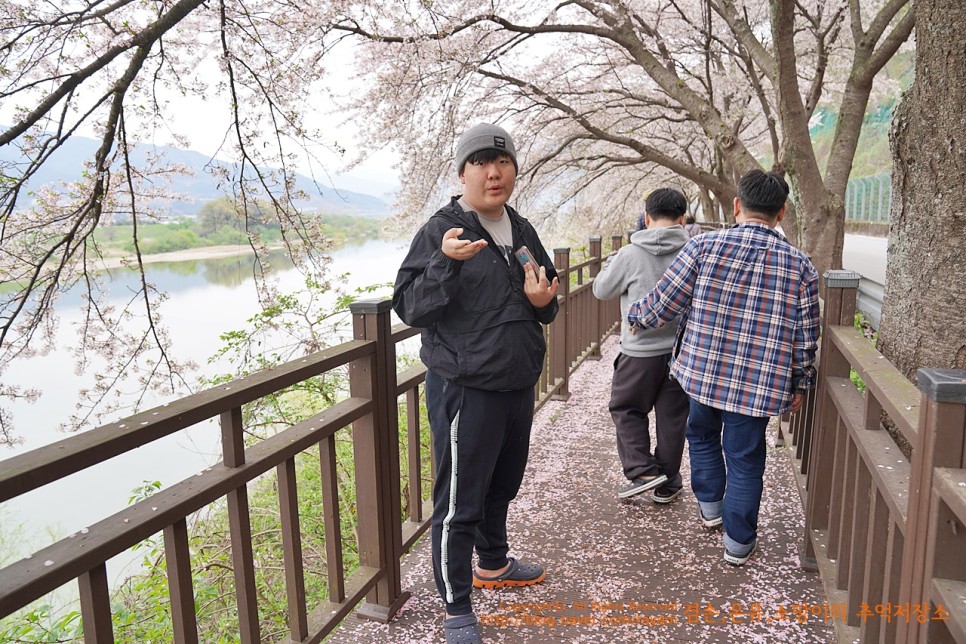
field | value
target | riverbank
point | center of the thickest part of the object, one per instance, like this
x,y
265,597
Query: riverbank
x,y
188,254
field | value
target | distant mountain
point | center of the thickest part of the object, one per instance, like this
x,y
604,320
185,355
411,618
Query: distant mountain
x,y
197,187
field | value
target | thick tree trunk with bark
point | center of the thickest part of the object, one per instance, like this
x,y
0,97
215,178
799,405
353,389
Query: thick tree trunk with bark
x,y
924,312
821,225
790,224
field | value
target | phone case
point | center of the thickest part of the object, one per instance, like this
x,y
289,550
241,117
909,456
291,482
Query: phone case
x,y
524,257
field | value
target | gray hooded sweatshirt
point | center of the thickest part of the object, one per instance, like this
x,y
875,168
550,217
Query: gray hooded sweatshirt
x,y
632,273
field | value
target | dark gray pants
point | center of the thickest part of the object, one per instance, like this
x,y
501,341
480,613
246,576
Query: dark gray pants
x,y
640,385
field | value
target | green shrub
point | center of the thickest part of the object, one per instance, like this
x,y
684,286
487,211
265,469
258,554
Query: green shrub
x,y
170,241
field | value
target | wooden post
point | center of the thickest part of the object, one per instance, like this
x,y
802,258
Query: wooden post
x,y
613,307
177,556
805,421
942,443
841,288
288,510
597,320
240,526
375,439
560,330
95,600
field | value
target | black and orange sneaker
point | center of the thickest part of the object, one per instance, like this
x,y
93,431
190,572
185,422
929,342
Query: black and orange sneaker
x,y
518,574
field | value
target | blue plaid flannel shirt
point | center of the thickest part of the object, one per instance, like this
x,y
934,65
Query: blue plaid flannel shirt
x,y
751,301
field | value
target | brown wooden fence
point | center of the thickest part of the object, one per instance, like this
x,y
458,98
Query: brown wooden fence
x,y
882,476
371,409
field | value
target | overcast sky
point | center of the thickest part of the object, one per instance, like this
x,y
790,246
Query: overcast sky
x,y
204,124
206,127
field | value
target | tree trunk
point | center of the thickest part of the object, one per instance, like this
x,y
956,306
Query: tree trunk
x,y
790,224
726,205
820,224
815,227
924,308
708,211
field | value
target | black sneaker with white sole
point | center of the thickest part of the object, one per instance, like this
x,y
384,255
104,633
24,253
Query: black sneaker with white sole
x,y
641,484
665,494
739,560
709,522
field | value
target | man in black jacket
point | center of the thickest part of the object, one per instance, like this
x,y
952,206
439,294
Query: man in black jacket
x,y
481,311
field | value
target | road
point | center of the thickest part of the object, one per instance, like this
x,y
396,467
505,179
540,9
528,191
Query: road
x,y
866,256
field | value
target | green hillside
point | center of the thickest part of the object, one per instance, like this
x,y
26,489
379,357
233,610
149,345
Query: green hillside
x,y
872,156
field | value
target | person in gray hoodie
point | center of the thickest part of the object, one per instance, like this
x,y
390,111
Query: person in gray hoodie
x,y
642,381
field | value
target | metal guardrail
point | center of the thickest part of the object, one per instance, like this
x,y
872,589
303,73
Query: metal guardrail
x,y
869,301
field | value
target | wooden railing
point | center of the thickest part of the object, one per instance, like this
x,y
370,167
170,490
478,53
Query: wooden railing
x,y
371,409
882,478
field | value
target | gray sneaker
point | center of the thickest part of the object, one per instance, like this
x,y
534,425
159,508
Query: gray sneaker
x,y
641,484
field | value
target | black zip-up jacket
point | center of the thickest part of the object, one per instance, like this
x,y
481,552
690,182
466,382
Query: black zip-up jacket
x,y
478,327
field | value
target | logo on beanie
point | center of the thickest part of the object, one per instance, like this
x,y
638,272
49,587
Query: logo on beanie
x,y
499,142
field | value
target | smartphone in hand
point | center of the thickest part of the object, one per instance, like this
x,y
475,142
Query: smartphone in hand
x,y
525,257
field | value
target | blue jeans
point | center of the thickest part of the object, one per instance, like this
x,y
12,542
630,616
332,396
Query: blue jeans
x,y
729,484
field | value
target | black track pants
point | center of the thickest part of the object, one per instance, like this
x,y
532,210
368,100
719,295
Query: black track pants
x,y
481,440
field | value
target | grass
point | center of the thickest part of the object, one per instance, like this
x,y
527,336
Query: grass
x,y
117,240
861,324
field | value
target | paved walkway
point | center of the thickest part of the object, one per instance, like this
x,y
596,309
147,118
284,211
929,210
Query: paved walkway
x,y
628,571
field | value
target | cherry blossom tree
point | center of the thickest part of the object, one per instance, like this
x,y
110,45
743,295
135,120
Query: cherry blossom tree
x,y
599,92
606,98
113,69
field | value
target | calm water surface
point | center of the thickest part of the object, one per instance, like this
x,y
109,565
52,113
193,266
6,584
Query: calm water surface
x,y
206,298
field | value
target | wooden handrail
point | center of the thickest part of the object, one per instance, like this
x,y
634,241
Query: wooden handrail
x,y
881,515
371,410
25,472
28,579
898,397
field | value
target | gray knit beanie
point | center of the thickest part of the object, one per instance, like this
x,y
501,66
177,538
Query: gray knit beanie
x,y
484,137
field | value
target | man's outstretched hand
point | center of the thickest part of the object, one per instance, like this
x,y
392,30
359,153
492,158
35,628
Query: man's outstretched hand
x,y
460,249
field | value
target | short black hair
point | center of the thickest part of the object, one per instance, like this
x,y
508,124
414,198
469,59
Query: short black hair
x,y
666,203
762,192
488,155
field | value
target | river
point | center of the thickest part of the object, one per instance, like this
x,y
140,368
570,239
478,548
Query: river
x,y
206,298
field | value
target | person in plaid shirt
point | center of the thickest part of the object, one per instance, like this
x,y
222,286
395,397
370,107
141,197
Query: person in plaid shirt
x,y
748,335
